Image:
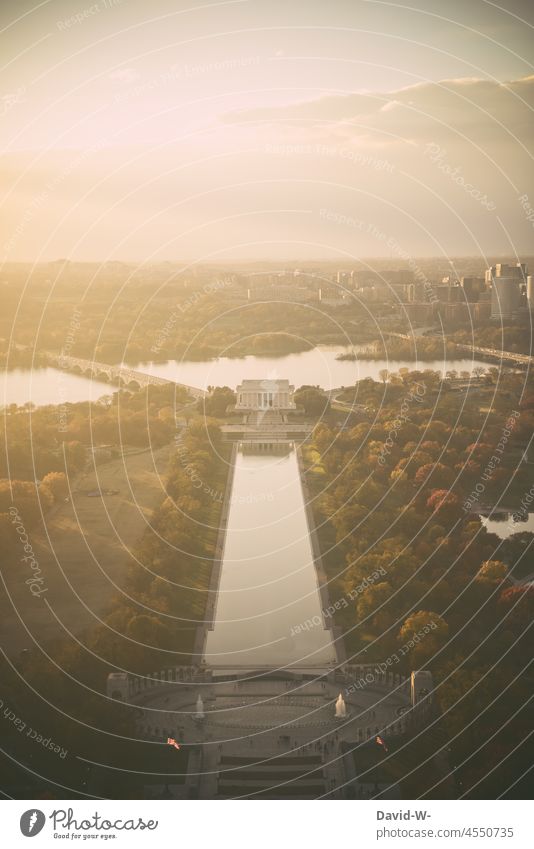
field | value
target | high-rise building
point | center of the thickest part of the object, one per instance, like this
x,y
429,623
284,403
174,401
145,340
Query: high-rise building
x,y
473,287
506,296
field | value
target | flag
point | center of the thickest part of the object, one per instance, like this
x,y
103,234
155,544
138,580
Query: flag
x,y
381,743
172,742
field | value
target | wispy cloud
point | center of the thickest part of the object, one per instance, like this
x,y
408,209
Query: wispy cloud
x,y
477,108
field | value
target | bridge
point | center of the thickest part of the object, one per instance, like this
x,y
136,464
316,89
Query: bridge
x,y
122,375
493,353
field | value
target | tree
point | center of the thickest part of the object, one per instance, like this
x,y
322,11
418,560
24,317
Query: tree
x,y
57,483
314,401
372,605
23,496
444,502
518,604
217,401
492,572
423,634
435,473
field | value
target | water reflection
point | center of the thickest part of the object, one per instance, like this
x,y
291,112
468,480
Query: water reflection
x,y
504,523
268,586
49,386
317,367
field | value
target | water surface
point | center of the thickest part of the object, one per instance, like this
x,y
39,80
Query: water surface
x,y
318,367
41,386
268,586
506,524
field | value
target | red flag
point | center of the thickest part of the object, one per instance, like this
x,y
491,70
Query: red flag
x,y
172,742
381,743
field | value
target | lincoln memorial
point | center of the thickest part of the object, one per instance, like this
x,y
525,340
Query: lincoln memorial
x,y
265,395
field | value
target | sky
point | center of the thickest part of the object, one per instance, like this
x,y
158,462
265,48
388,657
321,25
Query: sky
x,y
261,129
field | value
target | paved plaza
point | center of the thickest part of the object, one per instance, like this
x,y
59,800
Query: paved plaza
x,y
272,736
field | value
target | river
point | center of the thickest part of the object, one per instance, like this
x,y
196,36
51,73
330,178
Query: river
x,y
268,585
317,367
43,386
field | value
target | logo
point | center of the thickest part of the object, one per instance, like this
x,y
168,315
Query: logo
x,y
31,822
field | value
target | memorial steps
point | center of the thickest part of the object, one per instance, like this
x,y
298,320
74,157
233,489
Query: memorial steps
x,y
284,777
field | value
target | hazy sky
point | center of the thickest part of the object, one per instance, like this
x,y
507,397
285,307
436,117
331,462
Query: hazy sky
x,y
265,129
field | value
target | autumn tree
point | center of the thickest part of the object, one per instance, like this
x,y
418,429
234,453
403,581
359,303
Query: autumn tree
x,y
423,634
57,483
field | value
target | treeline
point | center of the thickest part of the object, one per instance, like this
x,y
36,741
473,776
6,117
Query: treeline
x,y
153,621
194,319
428,585
165,593
45,448
151,625
515,337
421,348
46,439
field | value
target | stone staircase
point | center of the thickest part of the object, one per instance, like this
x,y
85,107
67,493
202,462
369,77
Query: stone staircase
x,y
284,777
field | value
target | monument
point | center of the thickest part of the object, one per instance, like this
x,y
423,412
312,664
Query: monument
x,y
341,707
267,394
199,715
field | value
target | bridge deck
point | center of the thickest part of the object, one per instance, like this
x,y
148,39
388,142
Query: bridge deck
x,y
118,373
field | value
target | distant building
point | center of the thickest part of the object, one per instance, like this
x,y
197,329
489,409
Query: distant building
x,y
481,311
287,293
506,290
265,395
418,313
455,313
399,277
448,293
334,298
473,287
403,292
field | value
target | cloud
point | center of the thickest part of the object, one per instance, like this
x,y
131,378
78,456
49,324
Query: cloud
x,y
477,108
